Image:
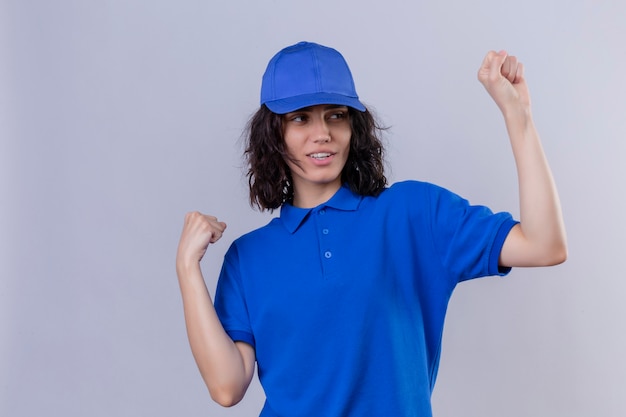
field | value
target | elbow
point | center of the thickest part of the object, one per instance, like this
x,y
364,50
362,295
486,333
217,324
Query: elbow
x,y
227,385
226,401
556,255
555,259
558,249
225,396
561,255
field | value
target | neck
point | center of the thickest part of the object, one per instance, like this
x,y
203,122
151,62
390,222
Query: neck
x,y
313,196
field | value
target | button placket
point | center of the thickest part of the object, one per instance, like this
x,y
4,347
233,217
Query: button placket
x,y
325,247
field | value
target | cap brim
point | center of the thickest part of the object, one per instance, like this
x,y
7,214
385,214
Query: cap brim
x,y
287,105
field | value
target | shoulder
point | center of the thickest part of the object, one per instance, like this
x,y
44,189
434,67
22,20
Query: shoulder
x,y
273,227
256,237
426,201
406,200
413,185
414,191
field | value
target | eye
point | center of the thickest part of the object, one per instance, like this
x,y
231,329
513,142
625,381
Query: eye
x,y
296,117
338,115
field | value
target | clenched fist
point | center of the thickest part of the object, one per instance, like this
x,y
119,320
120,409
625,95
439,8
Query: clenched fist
x,y
502,76
199,231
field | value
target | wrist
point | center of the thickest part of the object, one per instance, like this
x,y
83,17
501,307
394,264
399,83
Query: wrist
x,y
518,117
185,267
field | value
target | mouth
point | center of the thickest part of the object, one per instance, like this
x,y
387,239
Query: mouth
x,y
320,156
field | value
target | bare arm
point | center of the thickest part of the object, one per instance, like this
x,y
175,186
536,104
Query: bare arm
x,y
225,366
539,239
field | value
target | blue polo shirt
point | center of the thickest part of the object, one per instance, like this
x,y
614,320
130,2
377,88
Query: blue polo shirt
x,y
344,303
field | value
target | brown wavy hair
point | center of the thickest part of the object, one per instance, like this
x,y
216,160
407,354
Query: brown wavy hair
x,y
269,177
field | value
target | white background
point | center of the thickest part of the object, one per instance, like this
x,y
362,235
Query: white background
x,y
117,117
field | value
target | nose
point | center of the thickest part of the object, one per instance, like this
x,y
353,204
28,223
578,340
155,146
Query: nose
x,y
321,132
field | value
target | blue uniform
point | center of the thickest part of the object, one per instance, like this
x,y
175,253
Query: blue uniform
x,y
344,303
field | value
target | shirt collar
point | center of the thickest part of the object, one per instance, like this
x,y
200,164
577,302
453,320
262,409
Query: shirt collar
x,y
344,199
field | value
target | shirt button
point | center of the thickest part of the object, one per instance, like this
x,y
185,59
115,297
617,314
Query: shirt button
x,y
322,212
325,231
328,254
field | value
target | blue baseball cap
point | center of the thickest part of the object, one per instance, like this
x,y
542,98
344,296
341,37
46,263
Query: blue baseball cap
x,y
307,74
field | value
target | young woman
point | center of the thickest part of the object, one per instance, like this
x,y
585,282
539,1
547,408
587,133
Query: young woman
x,y
341,300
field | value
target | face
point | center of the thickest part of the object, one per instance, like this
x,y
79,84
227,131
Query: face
x,y
317,140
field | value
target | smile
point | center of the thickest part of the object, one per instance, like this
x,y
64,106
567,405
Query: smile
x,y
320,155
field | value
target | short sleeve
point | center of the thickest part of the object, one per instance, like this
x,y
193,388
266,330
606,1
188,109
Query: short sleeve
x,y
230,300
468,238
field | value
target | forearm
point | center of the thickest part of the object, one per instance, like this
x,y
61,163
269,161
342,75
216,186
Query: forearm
x,y
541,220
220,361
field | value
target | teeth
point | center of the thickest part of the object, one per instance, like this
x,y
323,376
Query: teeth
x,y
320,155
